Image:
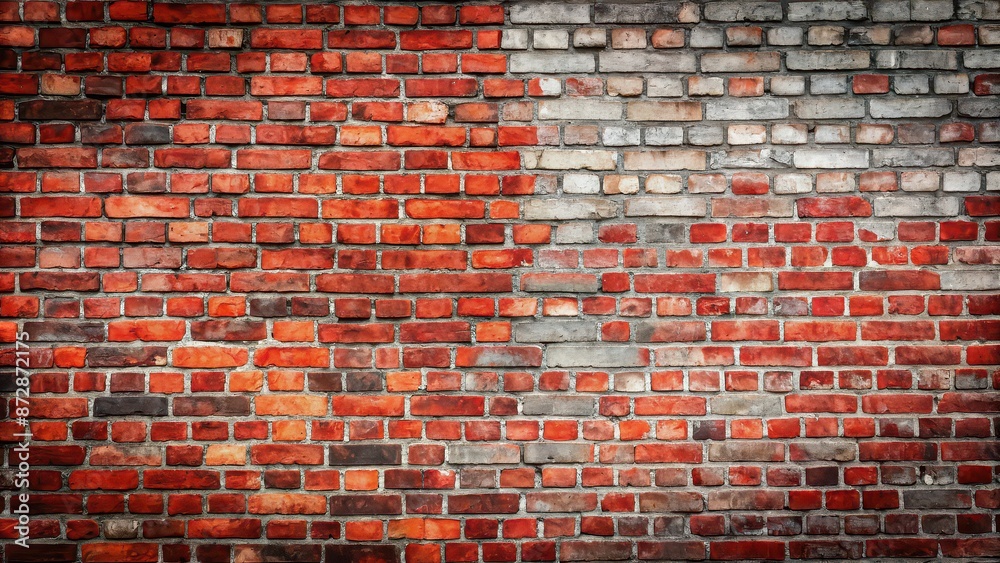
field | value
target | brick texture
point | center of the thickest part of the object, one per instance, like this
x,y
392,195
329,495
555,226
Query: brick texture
x,y
673,280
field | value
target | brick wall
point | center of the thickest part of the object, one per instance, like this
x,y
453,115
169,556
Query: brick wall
x,y
522,282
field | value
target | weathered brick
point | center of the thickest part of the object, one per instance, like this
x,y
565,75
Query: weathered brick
x,y
613,251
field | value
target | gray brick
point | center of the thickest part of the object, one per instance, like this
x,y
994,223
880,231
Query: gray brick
x,y
514,39
829,108
568,283
745,404
663,232
900,108
978,10
827,60
891,11
557,331
596,356
631,61
913,157
937,499
827,11
986,58
917,59
558,405
978,108
664,136
931,10
661,12
483,454
970,280
910,84
743,11
549,13
542,454
746,109
917,206
828,84
705,135
706,38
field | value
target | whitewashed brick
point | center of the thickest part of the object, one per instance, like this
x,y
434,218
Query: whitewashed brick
x,y
550,39
906,84
590,37
784,36
913,157
551,63
706,86
788,85
663,184
664,87
664,136
792,184
970,280
706,38
587,109
665,160
569,159
789,134
566,209
844,158
910,206
616,61
961,181
666,207
706,135
828,134
514,39
620,137
581,184
663,111
746,134
919,181
574,233
828,84
614,184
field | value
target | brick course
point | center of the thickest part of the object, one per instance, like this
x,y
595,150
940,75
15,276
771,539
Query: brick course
x,y
538,281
